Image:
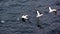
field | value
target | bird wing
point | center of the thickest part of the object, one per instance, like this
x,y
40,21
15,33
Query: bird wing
x,y
54,9
50,8
38,13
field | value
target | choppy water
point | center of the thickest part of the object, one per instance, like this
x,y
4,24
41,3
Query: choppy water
x,y
10,10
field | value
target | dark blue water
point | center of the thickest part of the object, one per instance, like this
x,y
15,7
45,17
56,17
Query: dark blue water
x,y
10,10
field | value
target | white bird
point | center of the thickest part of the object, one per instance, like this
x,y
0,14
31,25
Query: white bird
x,y
24,16
52,10
39,14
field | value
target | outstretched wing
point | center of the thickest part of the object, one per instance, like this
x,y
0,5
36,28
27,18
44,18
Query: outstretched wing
x,y
38,13
50,10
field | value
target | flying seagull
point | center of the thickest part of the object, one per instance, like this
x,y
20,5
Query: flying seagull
x,y
24,17
52,10
39,14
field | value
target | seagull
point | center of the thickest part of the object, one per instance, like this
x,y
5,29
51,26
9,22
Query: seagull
x,y
39,14
24,17
52,10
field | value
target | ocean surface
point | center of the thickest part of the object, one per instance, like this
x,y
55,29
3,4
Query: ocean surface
x,y
11,10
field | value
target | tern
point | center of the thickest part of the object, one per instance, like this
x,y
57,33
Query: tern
x,y
39,14
52,10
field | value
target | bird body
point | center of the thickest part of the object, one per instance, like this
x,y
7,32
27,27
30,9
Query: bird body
x,y
24,16
39,14
51,10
